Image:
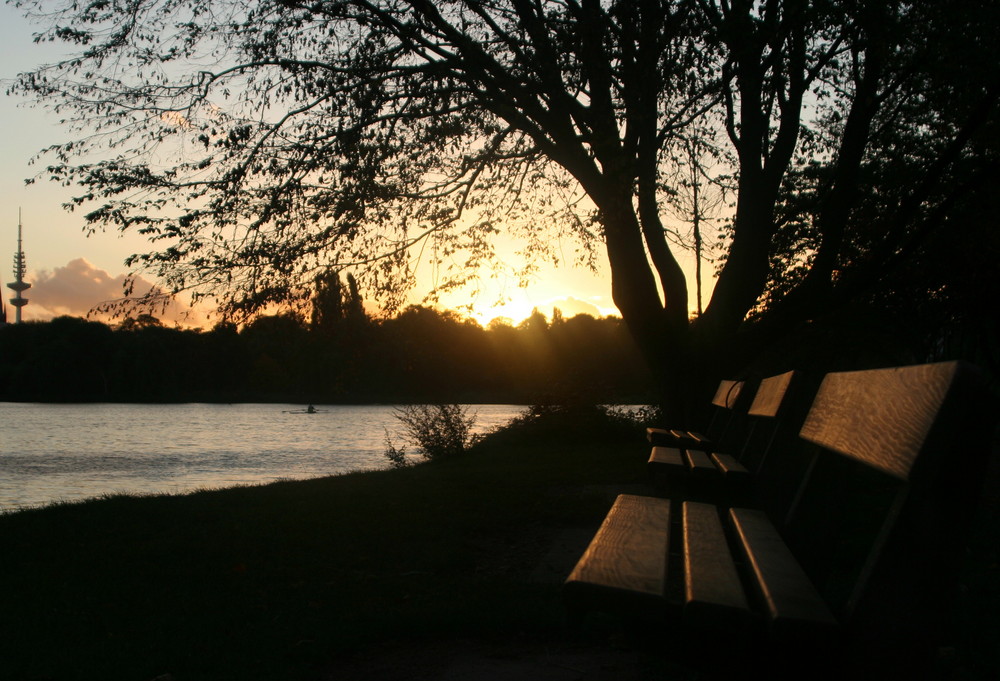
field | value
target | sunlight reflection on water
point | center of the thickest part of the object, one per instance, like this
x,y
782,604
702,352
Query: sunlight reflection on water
x,y
69,452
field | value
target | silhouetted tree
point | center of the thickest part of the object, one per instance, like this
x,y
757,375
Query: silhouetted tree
x,y
225,358
533,359
333,302
596,361
142,321
327,302
340,335
281,365
65,360
419,351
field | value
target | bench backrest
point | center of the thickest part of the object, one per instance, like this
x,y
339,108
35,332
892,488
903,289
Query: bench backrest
x,y
778,410
731,397
728,393
771,392
770,400
880,417
879,519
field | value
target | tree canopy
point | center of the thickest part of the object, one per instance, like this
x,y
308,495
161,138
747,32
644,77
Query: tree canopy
x,y
259,144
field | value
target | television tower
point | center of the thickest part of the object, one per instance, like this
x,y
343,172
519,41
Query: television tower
x,y
19,285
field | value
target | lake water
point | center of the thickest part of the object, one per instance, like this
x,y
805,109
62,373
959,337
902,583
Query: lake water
x,y
70,452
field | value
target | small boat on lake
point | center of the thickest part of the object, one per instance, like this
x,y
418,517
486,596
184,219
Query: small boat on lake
x,y
308,410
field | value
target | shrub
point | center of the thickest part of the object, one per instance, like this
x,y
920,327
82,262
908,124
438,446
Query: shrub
x,y
437,430
396,455
637,417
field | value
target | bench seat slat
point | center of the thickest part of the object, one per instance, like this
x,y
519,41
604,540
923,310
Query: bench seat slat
x,y
730,467
690,436
693,438
657,436
713,591
667,457
794,606
699,463
677,438
736,479
629,551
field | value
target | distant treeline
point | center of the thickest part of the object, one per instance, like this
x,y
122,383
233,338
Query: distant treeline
x,y
339,355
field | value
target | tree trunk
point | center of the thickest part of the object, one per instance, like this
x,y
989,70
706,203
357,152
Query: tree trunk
x,y
660,332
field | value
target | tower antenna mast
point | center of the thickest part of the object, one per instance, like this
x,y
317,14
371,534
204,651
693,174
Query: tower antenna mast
x,y
19,285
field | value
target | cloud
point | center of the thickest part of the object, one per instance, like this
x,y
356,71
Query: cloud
x,y
77,288
570,307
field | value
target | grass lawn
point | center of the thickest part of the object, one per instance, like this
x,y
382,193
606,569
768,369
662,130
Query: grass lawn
x,y
282,581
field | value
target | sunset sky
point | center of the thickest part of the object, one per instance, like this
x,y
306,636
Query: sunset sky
x,y
70,272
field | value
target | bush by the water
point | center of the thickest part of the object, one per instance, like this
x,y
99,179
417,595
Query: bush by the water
x,y
437,430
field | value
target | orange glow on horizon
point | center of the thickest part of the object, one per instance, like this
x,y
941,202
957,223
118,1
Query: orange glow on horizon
x,y
518,310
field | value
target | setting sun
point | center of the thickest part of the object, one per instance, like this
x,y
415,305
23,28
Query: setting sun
x,y
519,310
572,291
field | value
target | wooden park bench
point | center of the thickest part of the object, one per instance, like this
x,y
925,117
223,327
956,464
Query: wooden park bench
x,y
731,398
868,554
722,473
